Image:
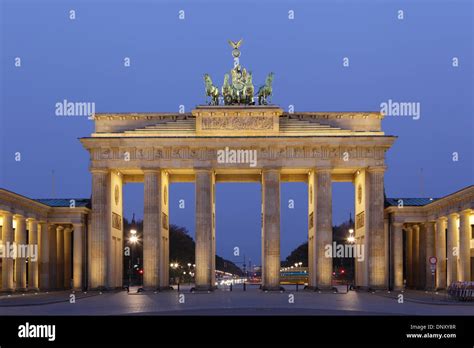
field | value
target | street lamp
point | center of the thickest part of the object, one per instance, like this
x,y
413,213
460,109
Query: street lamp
x,y
133,227
351,238
133,239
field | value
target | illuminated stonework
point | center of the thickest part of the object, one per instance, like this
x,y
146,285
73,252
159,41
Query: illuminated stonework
x,y
316,148
161,148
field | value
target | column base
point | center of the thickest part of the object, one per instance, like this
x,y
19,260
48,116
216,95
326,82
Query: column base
x,y
319,288
7,291
377,288
273,288
102,288
159,289
203,288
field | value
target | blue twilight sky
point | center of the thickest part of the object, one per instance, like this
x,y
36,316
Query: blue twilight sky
x,y
407,60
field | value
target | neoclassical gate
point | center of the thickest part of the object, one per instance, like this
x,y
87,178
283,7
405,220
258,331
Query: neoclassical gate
x,y
218,144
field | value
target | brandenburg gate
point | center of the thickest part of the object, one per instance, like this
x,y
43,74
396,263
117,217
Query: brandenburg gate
x,y
158,149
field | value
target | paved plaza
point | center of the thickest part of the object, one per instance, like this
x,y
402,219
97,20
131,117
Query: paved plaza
x,y
236,302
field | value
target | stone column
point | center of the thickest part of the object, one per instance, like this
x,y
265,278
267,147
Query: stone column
x,y
397,254
77,253
67,257
213,235
388,255
441,253
376,252
312,263
33,263
422,258
204,195
60,257
464,246
416,256
409,256
99,229
7,262
452,258
20,240
151,229
271,229
53,261
323,207
430,251
44,282
164,232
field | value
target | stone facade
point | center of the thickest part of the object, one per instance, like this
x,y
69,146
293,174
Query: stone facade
x,y
316,148
51,226
441,228
161,148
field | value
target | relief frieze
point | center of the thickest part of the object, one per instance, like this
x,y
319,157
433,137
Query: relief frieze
x,y
209,153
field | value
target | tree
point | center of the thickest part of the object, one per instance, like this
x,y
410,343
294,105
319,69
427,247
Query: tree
x,y
181,249
339,235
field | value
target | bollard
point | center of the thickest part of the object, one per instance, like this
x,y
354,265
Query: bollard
x,y
296,287
178,287
245,286
230,286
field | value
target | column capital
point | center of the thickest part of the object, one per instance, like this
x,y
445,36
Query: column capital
x,y
397,223
99,170
59,228
6,213
151,170
465,212
453,215
376,169
322,170
67,229
441,218
20,217
77,224
271,169
416,227
203,170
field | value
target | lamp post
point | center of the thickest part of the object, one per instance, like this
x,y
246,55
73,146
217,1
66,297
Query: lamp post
x,y
133,239
351,240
